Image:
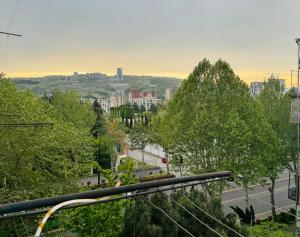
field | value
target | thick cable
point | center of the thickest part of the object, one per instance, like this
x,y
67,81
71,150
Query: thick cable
x,y
176,223
35,212
207,226
60,205
212,217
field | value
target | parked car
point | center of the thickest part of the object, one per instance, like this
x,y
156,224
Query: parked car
x,y
164,160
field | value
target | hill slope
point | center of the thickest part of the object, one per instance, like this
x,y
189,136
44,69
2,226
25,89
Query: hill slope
x,y
97,87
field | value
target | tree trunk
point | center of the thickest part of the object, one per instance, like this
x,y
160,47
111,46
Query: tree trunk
x,y
271,189
99,154
167,164
143,156
246,195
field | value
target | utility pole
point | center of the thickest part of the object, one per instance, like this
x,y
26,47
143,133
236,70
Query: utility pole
x,y
298,158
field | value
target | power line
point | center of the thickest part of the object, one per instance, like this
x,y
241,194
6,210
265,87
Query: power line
x,y
24,226
5,53
211,216
2,8
252,195
207,226
13,15
185,230
10,34
1,5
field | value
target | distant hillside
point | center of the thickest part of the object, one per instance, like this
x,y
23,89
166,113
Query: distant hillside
x,y
97,87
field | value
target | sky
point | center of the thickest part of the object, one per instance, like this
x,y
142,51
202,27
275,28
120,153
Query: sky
x,y
149,37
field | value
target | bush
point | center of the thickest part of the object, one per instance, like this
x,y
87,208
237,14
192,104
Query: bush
x,y
269,229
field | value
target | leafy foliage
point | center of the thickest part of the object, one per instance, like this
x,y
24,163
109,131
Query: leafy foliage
x,y
68,107
38,162
269,229
142,219
105,220
247,217
215,124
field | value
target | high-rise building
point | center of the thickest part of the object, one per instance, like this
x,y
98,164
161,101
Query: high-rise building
x,y
169,93
256,87
119,73
142,98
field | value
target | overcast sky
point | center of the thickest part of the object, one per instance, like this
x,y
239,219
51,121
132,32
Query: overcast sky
x,y
153,37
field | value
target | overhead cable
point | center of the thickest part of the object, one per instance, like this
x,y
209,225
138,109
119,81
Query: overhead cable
x,y
176,223
207,226
212,217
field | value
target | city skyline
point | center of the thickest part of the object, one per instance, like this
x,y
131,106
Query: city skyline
x,y
170,40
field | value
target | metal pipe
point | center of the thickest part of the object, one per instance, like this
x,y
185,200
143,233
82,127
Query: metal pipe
x,y
36,212
51,201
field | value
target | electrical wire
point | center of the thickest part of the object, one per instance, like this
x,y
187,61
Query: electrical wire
x,y
15,226
24,226
1,5
207,226
2,9
4,53
176,223
269,204
212,217
13,15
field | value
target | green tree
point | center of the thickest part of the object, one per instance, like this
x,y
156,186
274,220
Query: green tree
x,y
38,162
139,138
215,124
276,109
69,107
99,127
103,149
143,219
159,135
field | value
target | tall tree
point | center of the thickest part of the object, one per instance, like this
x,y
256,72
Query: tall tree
x,y
98,131
276,108
69,107
38,162
215,124
139,138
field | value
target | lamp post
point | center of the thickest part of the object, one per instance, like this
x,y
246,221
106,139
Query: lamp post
x,y
291,78
298,157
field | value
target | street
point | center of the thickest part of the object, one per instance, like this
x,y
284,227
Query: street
x,y
259,195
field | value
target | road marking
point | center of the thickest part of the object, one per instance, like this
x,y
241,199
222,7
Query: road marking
x,y
255,194
254,185
259,214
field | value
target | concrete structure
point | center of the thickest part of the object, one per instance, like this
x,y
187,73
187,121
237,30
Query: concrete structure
x,y
169,93
117,98
119,73
142,98
256,87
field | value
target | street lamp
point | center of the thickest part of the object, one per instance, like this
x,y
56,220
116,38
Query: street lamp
x,y
295,106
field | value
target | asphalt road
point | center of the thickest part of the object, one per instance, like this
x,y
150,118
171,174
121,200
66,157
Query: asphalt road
x,y
259,195
260,198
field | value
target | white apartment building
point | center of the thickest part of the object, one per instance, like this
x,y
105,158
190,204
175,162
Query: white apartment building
x,y
145,98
